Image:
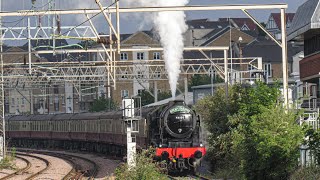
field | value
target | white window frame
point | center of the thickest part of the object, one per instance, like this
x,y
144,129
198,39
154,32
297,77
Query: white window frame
x,y
140,91
62,99
140,55
156,56
69,99
157,75
51,100
267,67
124,93
123,56
140,75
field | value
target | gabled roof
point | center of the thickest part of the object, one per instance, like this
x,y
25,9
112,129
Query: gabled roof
x,y
206,24
269,50
240,22
47,44
307,18
148,38
18,58
198,55
277,18
216,34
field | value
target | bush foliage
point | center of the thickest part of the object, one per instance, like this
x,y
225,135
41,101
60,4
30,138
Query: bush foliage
x,y
145,169
250,130
103,104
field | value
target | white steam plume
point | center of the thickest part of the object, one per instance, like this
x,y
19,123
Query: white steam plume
x,y
171,26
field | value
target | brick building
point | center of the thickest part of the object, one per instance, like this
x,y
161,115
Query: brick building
x,y
305,31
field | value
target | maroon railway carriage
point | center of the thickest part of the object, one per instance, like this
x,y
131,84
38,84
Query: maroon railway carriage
x,y
173,129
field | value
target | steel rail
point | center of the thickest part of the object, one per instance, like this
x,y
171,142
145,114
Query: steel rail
x,y
48,165
92,172
20,170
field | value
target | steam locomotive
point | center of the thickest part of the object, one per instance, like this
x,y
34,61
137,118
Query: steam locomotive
x,y
173,129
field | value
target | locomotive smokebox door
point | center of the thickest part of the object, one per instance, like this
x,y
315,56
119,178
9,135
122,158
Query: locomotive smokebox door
x,y
179,119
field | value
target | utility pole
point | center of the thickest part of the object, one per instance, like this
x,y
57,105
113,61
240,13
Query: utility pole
x,y
3,135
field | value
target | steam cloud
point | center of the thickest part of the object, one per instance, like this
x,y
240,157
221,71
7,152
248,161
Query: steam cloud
x,y
171,26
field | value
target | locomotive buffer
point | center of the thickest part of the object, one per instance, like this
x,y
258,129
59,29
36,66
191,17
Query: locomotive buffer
x,y
131,119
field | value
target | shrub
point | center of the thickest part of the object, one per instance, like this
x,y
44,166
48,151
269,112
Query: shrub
x,y
307,173
145,169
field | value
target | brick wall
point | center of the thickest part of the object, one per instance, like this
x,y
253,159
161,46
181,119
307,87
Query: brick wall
x,y
310,66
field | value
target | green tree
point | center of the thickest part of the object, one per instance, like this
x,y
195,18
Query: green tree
x,y
103,104
164,95
268,143
146,98
313,142
242,124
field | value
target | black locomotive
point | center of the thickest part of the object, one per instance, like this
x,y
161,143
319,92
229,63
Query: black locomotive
x,y
175,131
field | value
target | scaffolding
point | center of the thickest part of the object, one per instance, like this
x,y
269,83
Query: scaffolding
x,y
109,70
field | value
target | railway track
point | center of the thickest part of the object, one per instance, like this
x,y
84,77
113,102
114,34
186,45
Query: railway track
x,y
20,171
189,177
77,172
198,177
29,166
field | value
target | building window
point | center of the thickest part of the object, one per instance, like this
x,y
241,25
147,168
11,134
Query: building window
x,y
251,67
268,69
56,89
51,100
124,56
271,24
140,55
157,75
124,93
12,101
156,55
140,75
82,105
140,91
94,57
22,100
56,103
62,99
69,99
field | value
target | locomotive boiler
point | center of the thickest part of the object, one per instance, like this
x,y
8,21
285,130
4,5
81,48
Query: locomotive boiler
x,y
173,129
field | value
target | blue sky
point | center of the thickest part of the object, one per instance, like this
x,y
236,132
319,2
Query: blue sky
x,y
131,23
261,15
